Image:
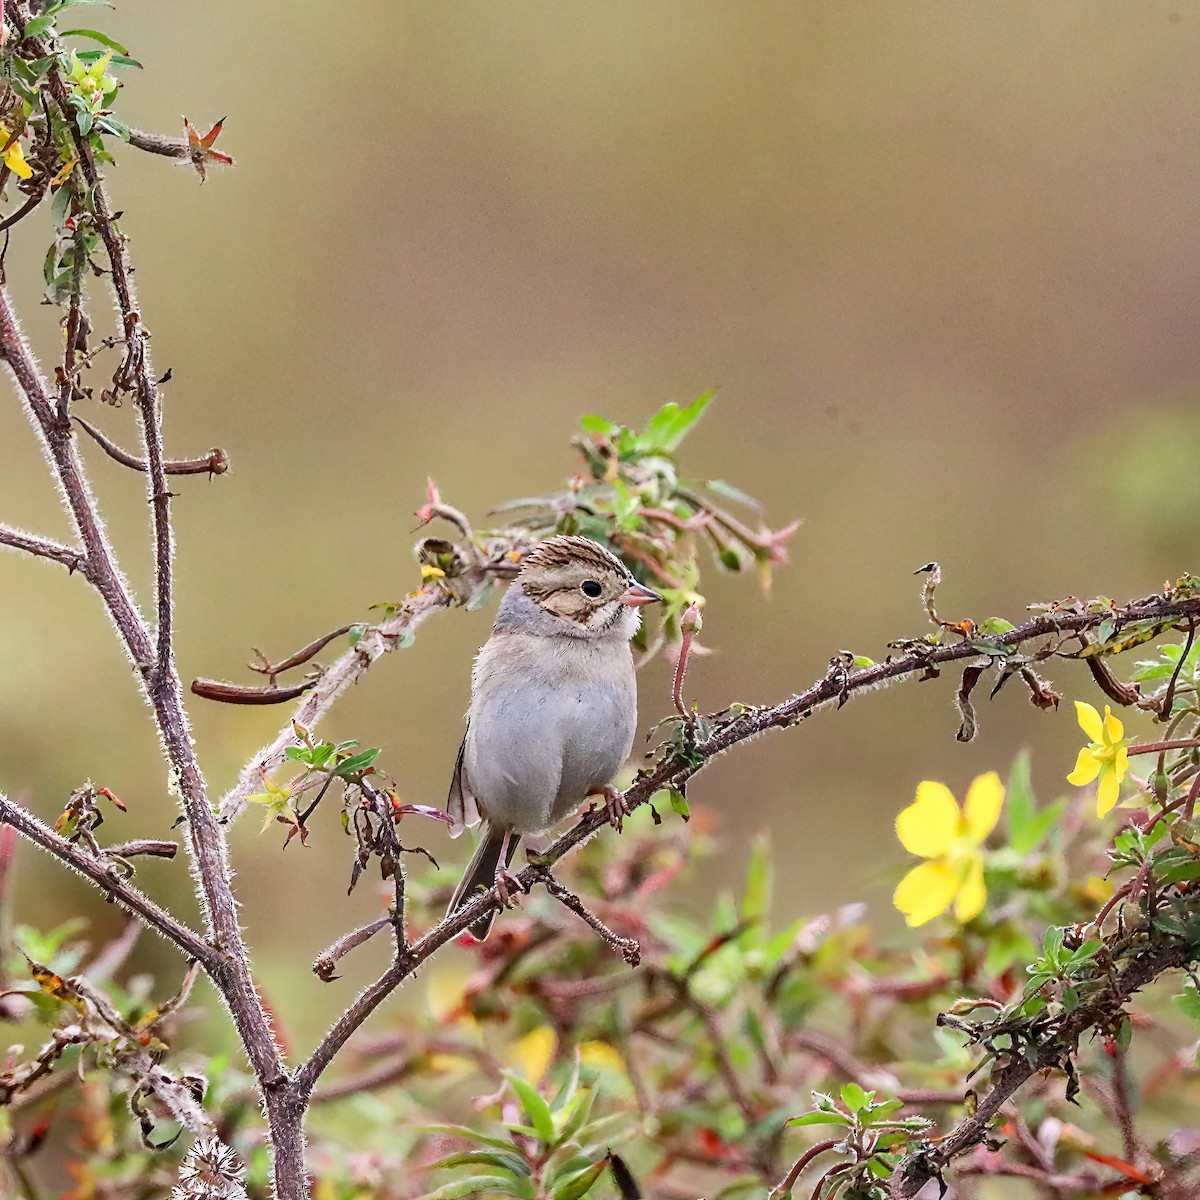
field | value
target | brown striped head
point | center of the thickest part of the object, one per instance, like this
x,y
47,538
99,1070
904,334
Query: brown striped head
x,y
579,580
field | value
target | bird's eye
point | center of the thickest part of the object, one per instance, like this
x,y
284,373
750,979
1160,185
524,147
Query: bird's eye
x,y
589,587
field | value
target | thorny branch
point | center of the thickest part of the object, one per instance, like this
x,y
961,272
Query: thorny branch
x,y
676,769
153,652
41,547
215,462
927,1163
101,873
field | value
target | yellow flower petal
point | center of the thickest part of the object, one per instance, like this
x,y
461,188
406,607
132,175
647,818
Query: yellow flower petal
x,y
1121,763
601,1056
927,890
1114,731
982,807
972,895
533,1053
14,160
1087,767
1106,794
1089,721
930,823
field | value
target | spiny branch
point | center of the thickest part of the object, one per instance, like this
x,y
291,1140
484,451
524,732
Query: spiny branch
x,y
346,670
675,769
215,462
100,872
924,1164
42,547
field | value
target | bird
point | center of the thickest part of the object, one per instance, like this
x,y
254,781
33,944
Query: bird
x,y
553,707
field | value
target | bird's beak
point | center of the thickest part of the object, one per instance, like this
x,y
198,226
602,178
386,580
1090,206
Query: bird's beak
x,y
636,595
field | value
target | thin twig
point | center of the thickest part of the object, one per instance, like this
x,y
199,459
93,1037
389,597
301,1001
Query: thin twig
x,y
628,948
1159,747
348,668
831,689
784,1187
326,962
215,462
927,1162
300,657
40,547
100,873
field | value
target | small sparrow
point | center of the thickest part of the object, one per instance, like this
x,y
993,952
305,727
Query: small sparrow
x,y
553,707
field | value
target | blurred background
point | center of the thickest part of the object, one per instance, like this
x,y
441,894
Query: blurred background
x,y
940,261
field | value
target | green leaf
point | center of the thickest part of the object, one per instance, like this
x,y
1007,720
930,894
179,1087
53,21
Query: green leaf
x,y
576,1116
488,1158
579,1185
1022,808
117,60
854,1098
817,1118
536,1108
475,1186
468,1134
110,124
670,426
39,25
732,493
357,763
1189,1001
63,5
96,36
598,425
994,626
678,801
757,897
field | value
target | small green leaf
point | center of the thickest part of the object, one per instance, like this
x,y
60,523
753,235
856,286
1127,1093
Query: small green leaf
x,y
96,36
818,1118
598,425
39,25
476,1185
117,60
357,763
679,803
854,1098
536,1108
487,1158
757,896
578,1186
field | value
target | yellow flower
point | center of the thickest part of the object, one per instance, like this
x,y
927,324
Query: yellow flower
x,y
532,1055
1107,756
14,156
950,838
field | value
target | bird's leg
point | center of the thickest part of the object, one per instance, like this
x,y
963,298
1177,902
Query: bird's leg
x,y
615,806
506,882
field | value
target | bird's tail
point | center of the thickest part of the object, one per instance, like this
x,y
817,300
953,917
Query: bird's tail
x,y
480,876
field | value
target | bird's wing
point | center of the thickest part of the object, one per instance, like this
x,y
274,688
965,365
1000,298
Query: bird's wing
x,y
460,804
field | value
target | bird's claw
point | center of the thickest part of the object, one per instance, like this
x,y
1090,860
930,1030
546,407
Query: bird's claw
x,y
507,886
615,806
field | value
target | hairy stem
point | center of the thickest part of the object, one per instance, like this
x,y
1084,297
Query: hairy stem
x,y
100,873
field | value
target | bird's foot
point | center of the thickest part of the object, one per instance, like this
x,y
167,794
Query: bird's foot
x,y
615,806
508,887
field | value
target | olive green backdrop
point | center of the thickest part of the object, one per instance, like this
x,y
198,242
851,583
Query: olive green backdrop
x,y
940,259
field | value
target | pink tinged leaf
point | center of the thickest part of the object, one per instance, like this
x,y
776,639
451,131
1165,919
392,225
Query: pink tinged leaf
x,y
422,810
